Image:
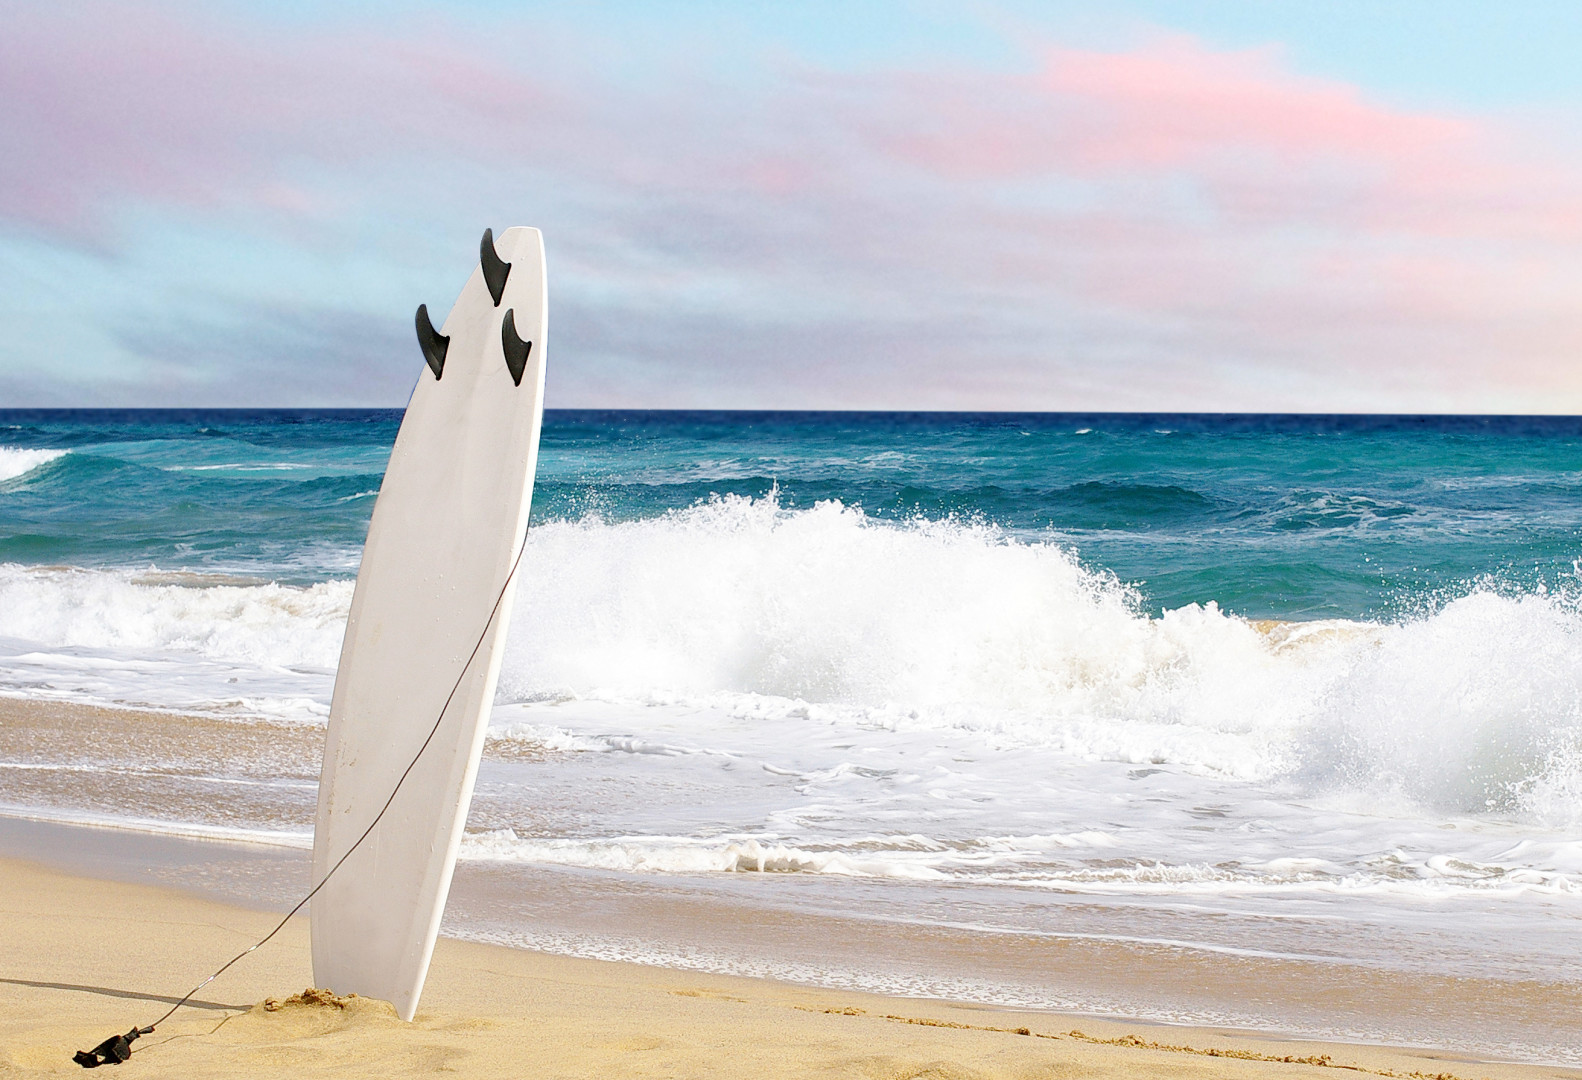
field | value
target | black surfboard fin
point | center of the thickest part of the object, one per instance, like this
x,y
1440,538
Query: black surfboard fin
x,y
495,269
434,344
516,350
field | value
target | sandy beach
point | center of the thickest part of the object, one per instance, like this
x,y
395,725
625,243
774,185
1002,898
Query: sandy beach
x,y
84,959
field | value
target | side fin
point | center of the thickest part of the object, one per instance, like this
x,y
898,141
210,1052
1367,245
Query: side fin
x,y
495,269
434,344
516,350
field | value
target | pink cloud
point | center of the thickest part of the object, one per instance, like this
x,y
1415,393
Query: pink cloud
x,y
1168,105
1175,102
1196,184
1257,140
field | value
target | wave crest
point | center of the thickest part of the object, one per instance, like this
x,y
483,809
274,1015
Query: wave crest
x,y
826,616
268,626
829,615
16,461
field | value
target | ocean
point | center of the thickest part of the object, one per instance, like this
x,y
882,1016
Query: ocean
x,y
988,706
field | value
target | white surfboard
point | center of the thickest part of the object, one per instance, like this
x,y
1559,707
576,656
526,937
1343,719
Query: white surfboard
x,y
450,519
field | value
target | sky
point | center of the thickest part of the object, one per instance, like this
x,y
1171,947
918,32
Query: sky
x,y
1123,205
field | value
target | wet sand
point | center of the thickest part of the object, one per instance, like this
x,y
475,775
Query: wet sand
x,y
84,959
883,936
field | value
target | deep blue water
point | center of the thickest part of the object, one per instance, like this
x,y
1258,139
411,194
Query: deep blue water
x,y
1270,516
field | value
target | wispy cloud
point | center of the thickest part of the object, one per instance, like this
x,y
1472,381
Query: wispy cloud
x,y
1166,225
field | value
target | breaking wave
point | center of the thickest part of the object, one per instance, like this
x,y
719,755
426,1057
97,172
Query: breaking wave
x,y
826,616
18,461
268,626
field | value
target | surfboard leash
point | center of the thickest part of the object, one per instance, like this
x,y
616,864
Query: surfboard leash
x,y
118,1048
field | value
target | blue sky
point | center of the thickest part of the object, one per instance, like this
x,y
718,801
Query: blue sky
x,y
1220,206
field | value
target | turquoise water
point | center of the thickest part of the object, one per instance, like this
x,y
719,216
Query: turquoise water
x,y
1271,517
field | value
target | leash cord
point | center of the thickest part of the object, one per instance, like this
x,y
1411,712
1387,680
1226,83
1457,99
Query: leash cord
x,y
498,600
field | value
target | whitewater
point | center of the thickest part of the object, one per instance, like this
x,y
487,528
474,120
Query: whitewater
x,y
732,664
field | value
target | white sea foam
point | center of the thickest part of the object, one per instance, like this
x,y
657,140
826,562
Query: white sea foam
x,y
545,737
160,827
824,618
1066,863
270,626
17,461
693,855
136,639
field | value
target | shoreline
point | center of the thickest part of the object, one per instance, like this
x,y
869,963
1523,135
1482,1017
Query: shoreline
x,y
661,923
87,958
1175,965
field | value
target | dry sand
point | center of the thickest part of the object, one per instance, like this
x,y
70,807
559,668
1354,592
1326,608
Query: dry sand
x,y
82,959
